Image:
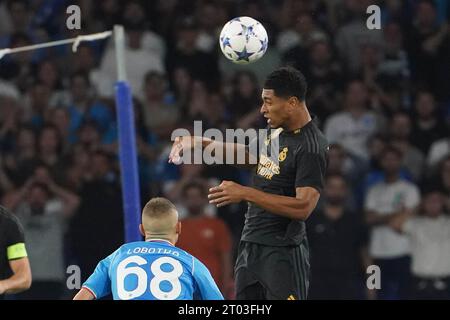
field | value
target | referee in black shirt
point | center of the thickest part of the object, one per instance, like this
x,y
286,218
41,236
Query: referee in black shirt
x,y
273,258
15,272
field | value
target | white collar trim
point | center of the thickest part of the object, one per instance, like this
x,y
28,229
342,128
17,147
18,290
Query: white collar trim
x,y
159,240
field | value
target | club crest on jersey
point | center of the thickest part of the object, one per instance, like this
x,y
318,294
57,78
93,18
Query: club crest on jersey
x,y
283,154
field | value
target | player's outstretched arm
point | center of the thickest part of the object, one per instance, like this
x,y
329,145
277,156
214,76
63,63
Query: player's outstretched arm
x,y
188,143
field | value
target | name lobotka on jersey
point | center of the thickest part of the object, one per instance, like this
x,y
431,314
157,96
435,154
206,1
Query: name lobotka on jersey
x,y
152,270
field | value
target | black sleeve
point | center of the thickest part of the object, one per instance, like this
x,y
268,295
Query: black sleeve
x,y
14,232
310,170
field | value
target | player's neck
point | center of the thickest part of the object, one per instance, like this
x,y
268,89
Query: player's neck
x,y
299,119
159,239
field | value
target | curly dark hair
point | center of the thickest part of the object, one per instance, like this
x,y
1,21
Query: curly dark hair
x,y
287,82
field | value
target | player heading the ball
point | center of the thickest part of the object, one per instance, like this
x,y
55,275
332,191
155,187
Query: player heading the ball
x,y
153,269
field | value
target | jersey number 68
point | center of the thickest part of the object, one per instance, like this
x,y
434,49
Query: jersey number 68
x,y
159,275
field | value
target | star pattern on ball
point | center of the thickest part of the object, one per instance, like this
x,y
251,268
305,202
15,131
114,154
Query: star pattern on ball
x,y
244,30
226,42
264,44
243,55
249,32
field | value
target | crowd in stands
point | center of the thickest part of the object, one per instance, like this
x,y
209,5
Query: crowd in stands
x,y
381,96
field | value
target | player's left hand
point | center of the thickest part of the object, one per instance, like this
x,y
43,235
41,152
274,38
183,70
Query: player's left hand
x,y
226,193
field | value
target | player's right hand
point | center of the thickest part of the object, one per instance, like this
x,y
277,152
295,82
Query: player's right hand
x,y
180,144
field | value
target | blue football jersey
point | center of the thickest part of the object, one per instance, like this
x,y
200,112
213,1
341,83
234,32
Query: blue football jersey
x,y
152,270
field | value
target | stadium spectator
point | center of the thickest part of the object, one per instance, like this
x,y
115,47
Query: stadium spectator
x,y
9,121
393,72
216,112
18,68
173,189
5,19
390,251
97,219
147,147
243,107
438,151
257,9
413,159
305,32
384,98
50,148
201,65
376,173
325,79
352,35
353,126
403,71
394,65
376,146
84,60
83,105
428,126
106,14
153,43
36,104
210,19
19,162
198,105
89,136
78,168
5,183
182,84
60,118
206,237
48,74
340,163
338,241
142,60
429,232
426,40
160,115
20,14
43,208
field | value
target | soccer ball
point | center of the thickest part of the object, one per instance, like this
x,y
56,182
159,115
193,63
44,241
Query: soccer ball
x,y
243,40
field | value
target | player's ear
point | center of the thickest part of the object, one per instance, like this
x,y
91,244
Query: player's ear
x,y
178,228
292,102
141,230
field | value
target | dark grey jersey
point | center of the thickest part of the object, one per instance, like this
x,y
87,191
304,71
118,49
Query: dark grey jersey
x,y
301,163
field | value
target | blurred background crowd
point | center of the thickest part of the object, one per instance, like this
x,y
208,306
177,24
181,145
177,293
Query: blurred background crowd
x,y
382,98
